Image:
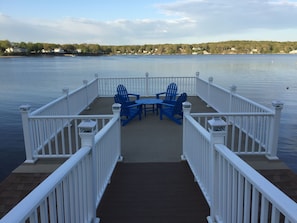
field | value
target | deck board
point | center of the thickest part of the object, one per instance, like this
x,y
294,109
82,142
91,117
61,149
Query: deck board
x,y
153,192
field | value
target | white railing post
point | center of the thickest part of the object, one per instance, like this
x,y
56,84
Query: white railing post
x,y
97,79
116,109
25,110
196,82
87,131
187,106
274,131
66,92
210,80
218,135
147,83
85,82
232,92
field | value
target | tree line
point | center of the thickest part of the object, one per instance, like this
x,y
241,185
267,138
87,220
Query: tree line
x,y
8,48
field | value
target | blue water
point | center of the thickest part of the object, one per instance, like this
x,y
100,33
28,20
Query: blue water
x,y
38,80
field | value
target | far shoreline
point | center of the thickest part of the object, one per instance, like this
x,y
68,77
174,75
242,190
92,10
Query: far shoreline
x,y
94,55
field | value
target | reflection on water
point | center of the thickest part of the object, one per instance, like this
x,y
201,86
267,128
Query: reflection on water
x,y
38,80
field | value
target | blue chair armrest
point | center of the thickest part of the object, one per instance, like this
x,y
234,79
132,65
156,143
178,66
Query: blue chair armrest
x,y
167,104
136,95
133,105
158,94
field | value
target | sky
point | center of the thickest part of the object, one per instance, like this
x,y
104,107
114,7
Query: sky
x,y
138,22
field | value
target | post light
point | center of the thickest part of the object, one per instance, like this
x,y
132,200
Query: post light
x,y
210,79
187,107
87,131
233,88
116,108
218,130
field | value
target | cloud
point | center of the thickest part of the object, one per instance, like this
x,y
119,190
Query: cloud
x,y
222,17
185,21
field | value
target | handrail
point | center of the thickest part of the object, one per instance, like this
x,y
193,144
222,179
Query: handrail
x,y
244,176
251,130
194,134
57,136
52,189
230,186
73,191
65,105
145,86
226,101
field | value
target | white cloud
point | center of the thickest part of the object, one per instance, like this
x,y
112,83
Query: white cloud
x,y
187,21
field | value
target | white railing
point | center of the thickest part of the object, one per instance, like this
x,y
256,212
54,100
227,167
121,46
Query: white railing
x,y
71,103
40,130
247,133
52,138
198,157
72,193
234,191
241,194
226,101
145,86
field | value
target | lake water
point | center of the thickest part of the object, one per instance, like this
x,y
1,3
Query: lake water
x,y
38,80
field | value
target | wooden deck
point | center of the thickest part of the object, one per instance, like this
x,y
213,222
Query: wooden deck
x,y
153,192
152,184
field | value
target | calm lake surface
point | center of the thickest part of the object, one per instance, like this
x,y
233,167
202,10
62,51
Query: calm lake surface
x,y
38,80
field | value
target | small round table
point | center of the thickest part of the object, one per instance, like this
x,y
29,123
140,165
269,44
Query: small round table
x,y
149,101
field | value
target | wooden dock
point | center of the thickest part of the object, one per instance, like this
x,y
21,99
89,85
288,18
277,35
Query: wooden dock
x,y
153,192
152,184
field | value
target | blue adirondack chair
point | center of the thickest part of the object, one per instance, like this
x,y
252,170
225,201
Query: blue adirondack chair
x,y
122,91
173,111
128,111
170,93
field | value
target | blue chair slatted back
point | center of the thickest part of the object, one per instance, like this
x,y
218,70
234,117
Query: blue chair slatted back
x,y
122,91
171,92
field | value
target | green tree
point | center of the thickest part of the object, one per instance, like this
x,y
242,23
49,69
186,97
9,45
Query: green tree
x,y
4,44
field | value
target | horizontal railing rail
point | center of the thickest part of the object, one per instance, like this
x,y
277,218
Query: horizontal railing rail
x,y
72,193
234,191
58,136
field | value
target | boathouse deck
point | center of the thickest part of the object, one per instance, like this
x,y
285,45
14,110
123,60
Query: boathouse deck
x,y
152,183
